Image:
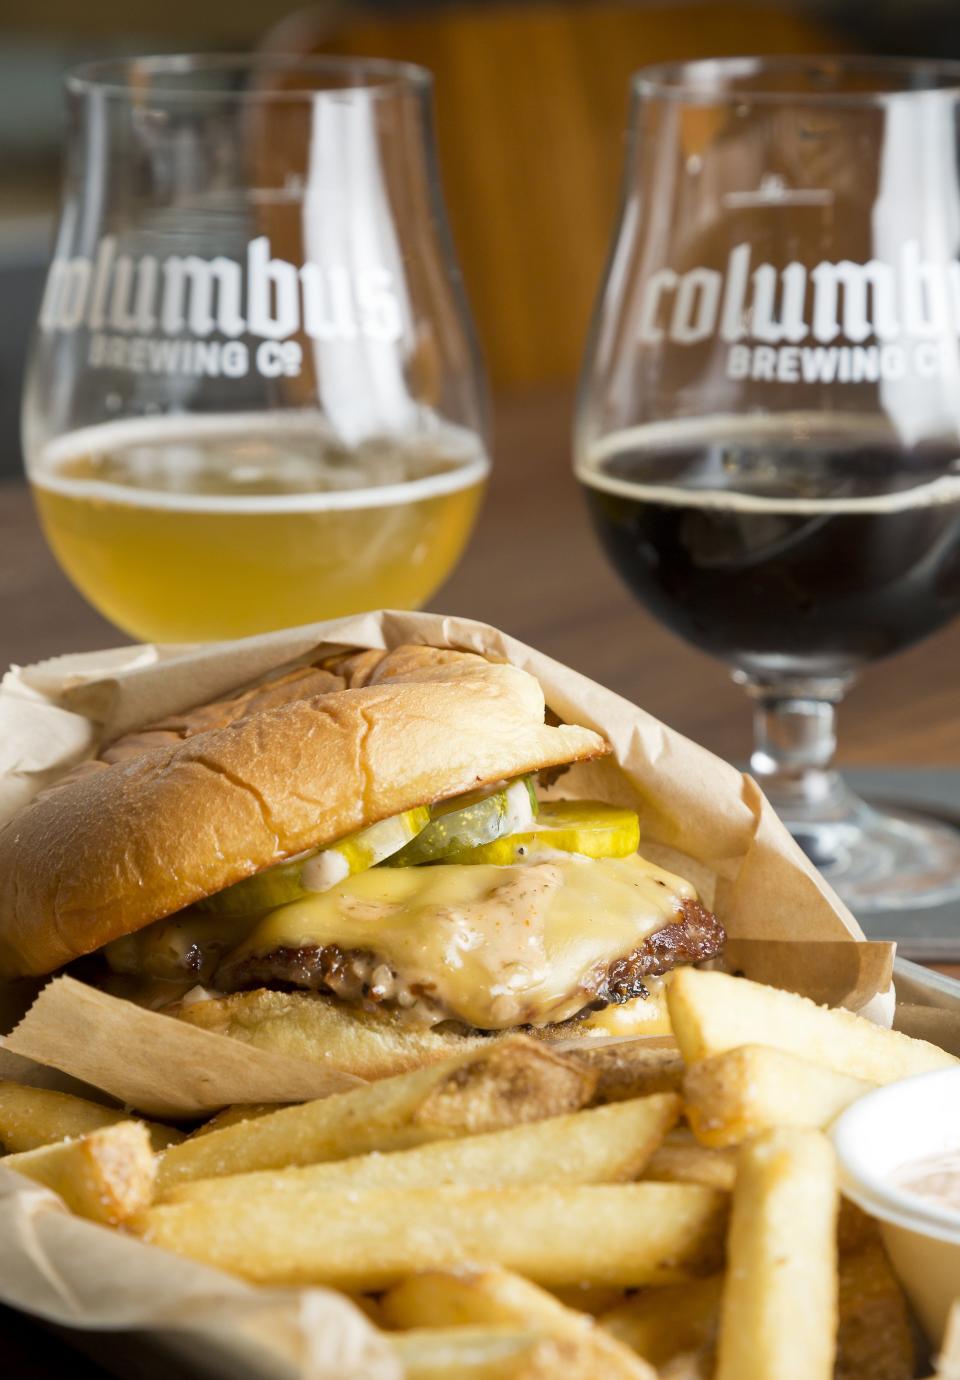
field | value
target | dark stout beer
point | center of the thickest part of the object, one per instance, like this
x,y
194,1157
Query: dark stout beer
x,y
794,544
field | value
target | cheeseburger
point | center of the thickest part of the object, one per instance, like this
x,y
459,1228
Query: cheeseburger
x,y
355,862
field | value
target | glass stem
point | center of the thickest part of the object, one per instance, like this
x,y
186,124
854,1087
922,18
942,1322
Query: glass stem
x,y
795,739
878,860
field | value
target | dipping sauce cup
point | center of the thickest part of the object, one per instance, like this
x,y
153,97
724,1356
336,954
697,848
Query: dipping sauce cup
x,y
879,1139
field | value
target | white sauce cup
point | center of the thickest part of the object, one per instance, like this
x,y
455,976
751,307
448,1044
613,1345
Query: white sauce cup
x,y
880,1135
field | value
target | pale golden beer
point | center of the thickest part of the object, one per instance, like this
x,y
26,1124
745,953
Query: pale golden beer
x,y
254,397
184,529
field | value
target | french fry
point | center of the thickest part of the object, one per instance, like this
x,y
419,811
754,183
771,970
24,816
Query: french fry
x,y
661,1324
466,1296
855,1229
604,1145
500,1085
874,1337
589,1298
32,1117
470,1297
237,1114
630,1068
107,1175
730,1097
623,1234
778,1316
488,1353
713,1012
680,1160
369,1306
690,1365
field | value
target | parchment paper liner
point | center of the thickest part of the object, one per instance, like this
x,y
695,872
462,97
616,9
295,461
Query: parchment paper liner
x,y
697,813
75,1273
115,1045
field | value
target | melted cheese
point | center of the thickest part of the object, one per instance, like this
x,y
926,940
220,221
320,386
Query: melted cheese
x,y
491,946
642,1016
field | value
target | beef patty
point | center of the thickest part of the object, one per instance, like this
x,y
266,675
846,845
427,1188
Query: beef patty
x,y
359,975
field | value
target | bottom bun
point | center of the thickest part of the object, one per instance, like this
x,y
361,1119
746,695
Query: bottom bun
x,y
379,1044
305,1025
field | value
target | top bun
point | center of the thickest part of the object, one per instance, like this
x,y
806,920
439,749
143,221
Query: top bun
x,y
179,811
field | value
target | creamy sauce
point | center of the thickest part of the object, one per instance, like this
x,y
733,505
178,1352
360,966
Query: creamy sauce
x,y
936,1178
493,946
518,813
324,870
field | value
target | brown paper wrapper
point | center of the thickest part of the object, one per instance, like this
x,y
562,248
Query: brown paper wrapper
x,y
115,1046
77,1274
698,815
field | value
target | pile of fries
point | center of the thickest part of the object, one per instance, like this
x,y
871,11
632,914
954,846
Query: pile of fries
x,y
613,1212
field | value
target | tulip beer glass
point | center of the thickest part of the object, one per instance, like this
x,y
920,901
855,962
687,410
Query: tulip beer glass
x,y
254,397
768,430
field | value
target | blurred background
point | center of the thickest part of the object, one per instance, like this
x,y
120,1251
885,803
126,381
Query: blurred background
x,y
531,103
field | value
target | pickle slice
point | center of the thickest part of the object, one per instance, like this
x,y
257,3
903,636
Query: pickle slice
x,y
261,892
470,821
588,827
319,871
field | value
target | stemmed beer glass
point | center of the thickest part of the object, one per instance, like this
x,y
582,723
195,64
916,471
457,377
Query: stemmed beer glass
x,y
768,428
254,397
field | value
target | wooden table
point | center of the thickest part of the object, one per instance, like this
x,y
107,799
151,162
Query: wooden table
x,y
535,570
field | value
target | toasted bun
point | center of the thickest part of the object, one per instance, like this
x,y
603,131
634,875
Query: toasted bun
x,y
306,1025
374,1043
163,825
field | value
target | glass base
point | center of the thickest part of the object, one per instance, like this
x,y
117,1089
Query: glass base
x,y
877,859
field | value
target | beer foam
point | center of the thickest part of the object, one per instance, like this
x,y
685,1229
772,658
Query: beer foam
x,y
457,446
783,430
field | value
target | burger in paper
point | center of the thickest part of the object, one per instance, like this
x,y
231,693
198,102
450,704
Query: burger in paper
x,y
366,860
